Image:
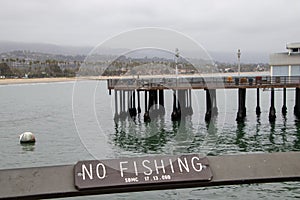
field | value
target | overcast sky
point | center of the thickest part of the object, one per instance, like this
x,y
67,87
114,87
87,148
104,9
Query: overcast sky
x,y
219,25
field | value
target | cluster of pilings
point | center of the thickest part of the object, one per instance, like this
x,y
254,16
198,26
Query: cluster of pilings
x,y
154,104
211,104
297,103
183,105
125,104
241,114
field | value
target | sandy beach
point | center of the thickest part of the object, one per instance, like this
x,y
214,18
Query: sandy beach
x,y
34,80
65,79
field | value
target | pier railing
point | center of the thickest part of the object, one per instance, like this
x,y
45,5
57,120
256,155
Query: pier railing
x,y
130,83
87,177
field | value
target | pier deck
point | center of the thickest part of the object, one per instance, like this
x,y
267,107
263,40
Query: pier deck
x,y
218,82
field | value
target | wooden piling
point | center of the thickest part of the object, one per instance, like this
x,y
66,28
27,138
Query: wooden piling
x,y
272,112
208,113
139,102
257,103
284,108
297,102
146,114
161,102
175,116
116,103
241,105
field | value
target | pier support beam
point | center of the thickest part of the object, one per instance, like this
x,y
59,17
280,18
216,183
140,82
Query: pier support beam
x,y
214,102
139,102
189,100
272,112
182,102
132,110
129,101
121,104
176,115
155,94
284,108
242,105
208,106
116,104
211,104
123,114
146,115
161,107
257,103
297,103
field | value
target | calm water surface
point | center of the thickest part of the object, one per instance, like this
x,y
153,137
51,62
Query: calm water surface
x,y
47,111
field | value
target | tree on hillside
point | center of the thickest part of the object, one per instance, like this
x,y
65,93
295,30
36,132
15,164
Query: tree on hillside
x,y
5,70
54,70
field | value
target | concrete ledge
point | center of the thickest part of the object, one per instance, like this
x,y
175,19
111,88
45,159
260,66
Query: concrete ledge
x,y
58,181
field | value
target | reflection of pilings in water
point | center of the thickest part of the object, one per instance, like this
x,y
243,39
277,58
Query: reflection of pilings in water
x,y
272,112
297,140
145,137
240,133
211,104
284,108
257,103
242,105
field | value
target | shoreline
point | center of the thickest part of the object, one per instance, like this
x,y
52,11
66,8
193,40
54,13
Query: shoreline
x,y
13,81
34,80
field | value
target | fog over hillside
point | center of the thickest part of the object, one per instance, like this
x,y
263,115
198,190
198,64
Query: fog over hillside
x,y
43,48
226,57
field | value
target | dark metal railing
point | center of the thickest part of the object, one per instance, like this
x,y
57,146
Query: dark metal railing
x,y
203,82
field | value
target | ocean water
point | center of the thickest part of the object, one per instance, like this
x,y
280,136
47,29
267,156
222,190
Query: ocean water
x,y
75,121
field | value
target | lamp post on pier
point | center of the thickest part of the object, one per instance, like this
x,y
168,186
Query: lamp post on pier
x,y
239,62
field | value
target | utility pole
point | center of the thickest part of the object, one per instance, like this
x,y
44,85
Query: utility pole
x,y
176,62
239,62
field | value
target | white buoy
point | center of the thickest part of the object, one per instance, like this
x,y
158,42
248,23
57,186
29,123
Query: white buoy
x,y
27,137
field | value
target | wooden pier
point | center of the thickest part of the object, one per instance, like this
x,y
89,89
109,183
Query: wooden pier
x,y
126,88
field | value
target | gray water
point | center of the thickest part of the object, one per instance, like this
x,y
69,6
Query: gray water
x,y
47,110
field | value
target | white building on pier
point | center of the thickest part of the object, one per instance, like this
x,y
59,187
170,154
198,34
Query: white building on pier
x,y
286,63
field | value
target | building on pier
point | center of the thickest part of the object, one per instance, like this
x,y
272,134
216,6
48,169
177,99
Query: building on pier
x,y
286,63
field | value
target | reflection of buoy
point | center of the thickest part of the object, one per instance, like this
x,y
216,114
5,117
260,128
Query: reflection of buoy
x,y
27,137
